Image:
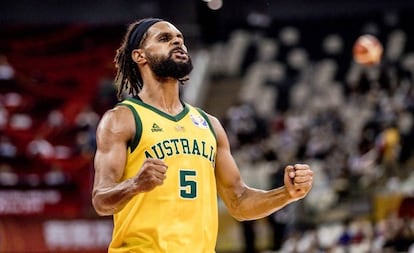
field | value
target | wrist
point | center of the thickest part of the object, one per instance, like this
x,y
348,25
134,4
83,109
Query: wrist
x,y
133,187
290,196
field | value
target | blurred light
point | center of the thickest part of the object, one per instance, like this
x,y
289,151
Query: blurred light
x,y
289,36
332,44
259,19
215,4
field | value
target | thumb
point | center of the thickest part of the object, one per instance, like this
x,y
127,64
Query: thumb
x,y
289,175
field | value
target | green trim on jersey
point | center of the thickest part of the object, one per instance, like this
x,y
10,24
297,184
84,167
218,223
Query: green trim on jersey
x,y
134,142
168,116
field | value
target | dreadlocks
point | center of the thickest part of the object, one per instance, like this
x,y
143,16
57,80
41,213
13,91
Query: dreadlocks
x,y
128,76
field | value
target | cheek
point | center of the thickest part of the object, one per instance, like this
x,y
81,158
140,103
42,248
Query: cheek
x,y
158,49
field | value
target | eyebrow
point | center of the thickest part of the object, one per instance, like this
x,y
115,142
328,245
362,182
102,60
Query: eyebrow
x,y
180,35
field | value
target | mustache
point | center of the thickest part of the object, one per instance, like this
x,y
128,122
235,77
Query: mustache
x,y
178,50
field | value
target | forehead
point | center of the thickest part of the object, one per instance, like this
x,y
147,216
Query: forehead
x,y
162,27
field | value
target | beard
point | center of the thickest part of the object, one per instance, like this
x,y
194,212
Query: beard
x,y
165,66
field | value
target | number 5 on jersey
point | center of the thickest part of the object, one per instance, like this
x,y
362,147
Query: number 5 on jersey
x,y
188,184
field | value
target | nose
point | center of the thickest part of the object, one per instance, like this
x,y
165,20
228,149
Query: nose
x,y
177,41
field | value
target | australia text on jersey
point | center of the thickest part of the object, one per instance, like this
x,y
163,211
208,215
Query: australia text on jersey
x,y
172,147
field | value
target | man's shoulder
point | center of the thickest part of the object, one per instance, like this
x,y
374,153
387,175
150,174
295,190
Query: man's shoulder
x,y
118,114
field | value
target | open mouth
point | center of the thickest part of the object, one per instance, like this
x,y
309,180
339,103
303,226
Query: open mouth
x,y
180,54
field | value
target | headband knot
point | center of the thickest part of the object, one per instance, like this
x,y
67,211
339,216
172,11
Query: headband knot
x,y
139,31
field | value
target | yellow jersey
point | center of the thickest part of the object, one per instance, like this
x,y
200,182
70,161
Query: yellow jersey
x,y
181,215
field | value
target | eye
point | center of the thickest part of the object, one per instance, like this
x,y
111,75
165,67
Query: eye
x,y
164,38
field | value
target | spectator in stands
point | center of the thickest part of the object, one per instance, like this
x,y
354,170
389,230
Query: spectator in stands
x,y
86,123
85,143
8,177
41,148
7,148
4,115
55,119
243,124
87,118
399,234
6,69
389,147
106,97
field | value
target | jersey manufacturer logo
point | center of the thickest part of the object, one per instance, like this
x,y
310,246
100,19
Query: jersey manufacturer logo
x,y
199,121
156,128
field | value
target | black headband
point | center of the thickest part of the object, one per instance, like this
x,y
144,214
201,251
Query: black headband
x,y
139,32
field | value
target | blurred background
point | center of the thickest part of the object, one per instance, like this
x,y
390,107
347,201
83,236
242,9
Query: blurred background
x,y
278,74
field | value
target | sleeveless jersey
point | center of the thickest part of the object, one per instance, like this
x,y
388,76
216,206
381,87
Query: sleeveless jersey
x,y
180,216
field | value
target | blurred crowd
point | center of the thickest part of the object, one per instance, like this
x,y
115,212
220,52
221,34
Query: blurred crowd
x,y
354,124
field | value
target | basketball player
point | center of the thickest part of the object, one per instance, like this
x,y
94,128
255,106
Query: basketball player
x,y
161,162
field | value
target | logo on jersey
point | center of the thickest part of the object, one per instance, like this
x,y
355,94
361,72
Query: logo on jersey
x,y
199,121
156,128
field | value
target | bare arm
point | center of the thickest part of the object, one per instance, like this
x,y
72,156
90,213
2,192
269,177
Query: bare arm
x,y
109,195
246,203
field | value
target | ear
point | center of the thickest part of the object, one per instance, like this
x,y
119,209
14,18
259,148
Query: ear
x,y
138,56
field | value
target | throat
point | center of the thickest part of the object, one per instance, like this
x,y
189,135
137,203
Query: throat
x,y
173,110
163,106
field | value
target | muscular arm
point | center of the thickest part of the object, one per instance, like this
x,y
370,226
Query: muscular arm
x,y
111,138
109,194
246,203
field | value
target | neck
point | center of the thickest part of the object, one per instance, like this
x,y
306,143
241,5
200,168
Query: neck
x,y
163,96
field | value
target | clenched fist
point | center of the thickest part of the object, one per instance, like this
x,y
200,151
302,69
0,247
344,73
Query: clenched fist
x,y
152,174
298,180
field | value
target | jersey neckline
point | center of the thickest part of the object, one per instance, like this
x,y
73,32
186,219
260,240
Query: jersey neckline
x,y
179,116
